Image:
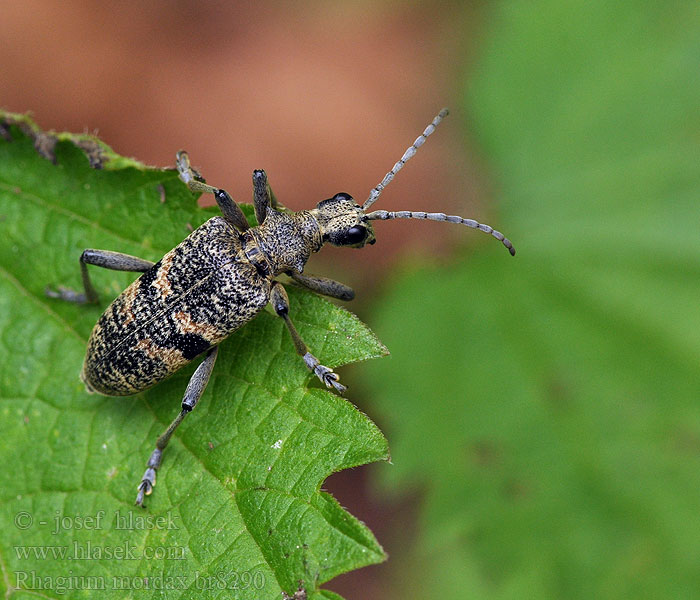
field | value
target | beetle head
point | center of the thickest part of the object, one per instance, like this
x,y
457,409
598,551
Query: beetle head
x,y
343,222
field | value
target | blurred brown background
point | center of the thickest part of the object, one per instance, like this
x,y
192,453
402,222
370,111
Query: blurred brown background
x,y
324,95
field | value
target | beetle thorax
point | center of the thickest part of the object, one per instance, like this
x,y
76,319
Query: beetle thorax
x,y
287,240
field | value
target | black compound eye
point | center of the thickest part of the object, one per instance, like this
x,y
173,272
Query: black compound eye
x,y
343,196
355,235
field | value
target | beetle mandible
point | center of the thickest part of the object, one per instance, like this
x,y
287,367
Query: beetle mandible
x,y
217,280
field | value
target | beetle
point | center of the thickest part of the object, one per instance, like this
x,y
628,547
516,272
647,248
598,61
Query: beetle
x,y
218,279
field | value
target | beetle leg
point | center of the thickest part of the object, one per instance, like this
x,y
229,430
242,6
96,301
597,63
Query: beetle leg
x,y
280,302
323,285
195,389
261,195
115,261
229,209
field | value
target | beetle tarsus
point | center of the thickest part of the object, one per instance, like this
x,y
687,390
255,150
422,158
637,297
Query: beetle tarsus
x,y
145,488
115,261
325,374
67,294
189,175
149,477
331,379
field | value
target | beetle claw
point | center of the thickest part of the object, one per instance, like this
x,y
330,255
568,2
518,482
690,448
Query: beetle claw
x,y
335,383
330,378
146,486
325,374
142,490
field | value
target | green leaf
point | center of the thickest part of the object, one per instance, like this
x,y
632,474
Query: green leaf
x,y
549,411
237,511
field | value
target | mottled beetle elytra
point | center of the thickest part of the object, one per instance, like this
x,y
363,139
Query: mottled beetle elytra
x,y
217,280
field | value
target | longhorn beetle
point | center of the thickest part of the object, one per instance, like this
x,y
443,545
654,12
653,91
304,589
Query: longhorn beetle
x,y
216,281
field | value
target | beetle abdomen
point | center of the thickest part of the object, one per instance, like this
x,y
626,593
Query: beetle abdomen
x,y
189,301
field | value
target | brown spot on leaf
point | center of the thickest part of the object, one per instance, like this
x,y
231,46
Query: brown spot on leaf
x,y
5,131
486,453
45,142
45,145
94,151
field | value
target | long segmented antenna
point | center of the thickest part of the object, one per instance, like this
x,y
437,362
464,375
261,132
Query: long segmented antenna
x,y
410,151
407,214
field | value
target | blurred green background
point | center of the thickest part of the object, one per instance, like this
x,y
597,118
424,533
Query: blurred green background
x,y
546,408
542,411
